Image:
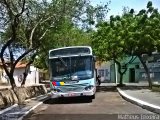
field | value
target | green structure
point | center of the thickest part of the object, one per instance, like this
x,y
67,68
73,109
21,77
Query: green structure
x,y
131,75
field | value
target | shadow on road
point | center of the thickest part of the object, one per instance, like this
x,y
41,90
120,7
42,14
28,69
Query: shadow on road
x,y
82,99
71,117
73,100
134,87
106,89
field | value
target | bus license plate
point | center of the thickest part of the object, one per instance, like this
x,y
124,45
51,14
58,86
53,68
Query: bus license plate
x,y
71,94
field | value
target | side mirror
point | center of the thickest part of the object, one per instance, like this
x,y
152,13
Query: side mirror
x,y
74,77
94,58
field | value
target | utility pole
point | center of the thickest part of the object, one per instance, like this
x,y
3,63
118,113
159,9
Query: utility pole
x,y
115,66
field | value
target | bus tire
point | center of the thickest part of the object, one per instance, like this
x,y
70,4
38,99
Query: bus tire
x,y
93,96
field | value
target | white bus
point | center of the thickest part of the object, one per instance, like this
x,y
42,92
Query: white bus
x,y
72,72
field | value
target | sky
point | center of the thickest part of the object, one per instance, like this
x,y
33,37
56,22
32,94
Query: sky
x,y
116,6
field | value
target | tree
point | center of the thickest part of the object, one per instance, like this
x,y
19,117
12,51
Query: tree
x,y
130,34
27,25
142,34
109,45
27,22
72,31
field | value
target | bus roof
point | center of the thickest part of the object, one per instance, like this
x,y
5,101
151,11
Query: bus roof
x,y
70,51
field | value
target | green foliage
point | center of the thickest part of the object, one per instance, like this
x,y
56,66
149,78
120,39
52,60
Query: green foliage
x,y
149,4
58,18
30,28
130,34
67,31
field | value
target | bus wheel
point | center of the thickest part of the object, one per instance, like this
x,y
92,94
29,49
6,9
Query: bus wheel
x,y
93,96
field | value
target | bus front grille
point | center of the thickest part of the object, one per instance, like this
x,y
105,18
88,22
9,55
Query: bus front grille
x,y
68,88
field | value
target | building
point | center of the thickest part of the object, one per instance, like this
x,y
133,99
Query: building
x,y
32,78
135,72
153,63
103,70
3,77
131,75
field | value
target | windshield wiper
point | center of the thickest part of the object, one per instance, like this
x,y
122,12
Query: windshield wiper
x,y
64,63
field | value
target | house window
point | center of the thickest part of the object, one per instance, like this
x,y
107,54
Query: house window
x,y
144,75
152,75
101,72
107,72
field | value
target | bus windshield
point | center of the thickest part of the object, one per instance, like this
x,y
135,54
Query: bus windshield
x,y
71,68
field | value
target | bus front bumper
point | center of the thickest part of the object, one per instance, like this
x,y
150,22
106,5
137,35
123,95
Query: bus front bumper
x,y
53,94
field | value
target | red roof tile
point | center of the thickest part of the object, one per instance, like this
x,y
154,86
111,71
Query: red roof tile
x,y
21,65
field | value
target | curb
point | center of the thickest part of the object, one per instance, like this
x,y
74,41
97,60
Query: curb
x,y
27,100
141,103
34,107
9,108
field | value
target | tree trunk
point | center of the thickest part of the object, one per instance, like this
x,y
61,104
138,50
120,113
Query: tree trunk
x,y
12,81
25,74
9,73
121,73
121,79
147,71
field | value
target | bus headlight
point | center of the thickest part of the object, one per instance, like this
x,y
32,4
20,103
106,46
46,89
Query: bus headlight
x,y
57,90
89,87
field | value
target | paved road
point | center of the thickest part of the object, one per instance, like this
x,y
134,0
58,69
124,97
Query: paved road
x,y
108,105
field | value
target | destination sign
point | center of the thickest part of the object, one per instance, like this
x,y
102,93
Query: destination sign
x,y
69,51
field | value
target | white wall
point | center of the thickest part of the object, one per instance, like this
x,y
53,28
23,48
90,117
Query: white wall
x,y
4,77
32,78
104,66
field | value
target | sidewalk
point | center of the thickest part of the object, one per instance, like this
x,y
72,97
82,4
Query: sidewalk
x,y
130,85
144,98
17,112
